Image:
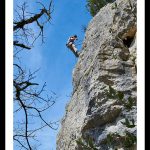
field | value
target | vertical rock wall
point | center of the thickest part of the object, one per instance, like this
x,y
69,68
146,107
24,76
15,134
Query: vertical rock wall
x,y
103,103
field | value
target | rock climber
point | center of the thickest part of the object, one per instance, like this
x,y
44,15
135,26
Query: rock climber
x,y
70,44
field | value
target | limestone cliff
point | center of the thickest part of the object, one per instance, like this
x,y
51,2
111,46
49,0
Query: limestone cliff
x,y
101,114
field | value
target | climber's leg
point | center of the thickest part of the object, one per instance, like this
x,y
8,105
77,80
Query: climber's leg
x,y
73,49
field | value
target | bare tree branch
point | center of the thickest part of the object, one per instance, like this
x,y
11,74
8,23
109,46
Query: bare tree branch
x,y
30,100
20,143
21,45
30,20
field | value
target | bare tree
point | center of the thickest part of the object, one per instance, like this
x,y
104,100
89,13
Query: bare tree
x,y
31,101
24,22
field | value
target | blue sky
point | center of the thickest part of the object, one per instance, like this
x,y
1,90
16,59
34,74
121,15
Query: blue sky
x,y
55,61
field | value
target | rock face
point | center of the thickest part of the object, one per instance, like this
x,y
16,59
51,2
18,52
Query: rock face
x,y
103,104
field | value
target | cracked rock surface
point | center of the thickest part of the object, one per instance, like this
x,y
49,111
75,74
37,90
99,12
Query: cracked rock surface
x,y
107,59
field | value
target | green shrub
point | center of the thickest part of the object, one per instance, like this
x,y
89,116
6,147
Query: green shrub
x,y
87,144
127,141
129,104
129,123
130,140
119,95
113,94
93,6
